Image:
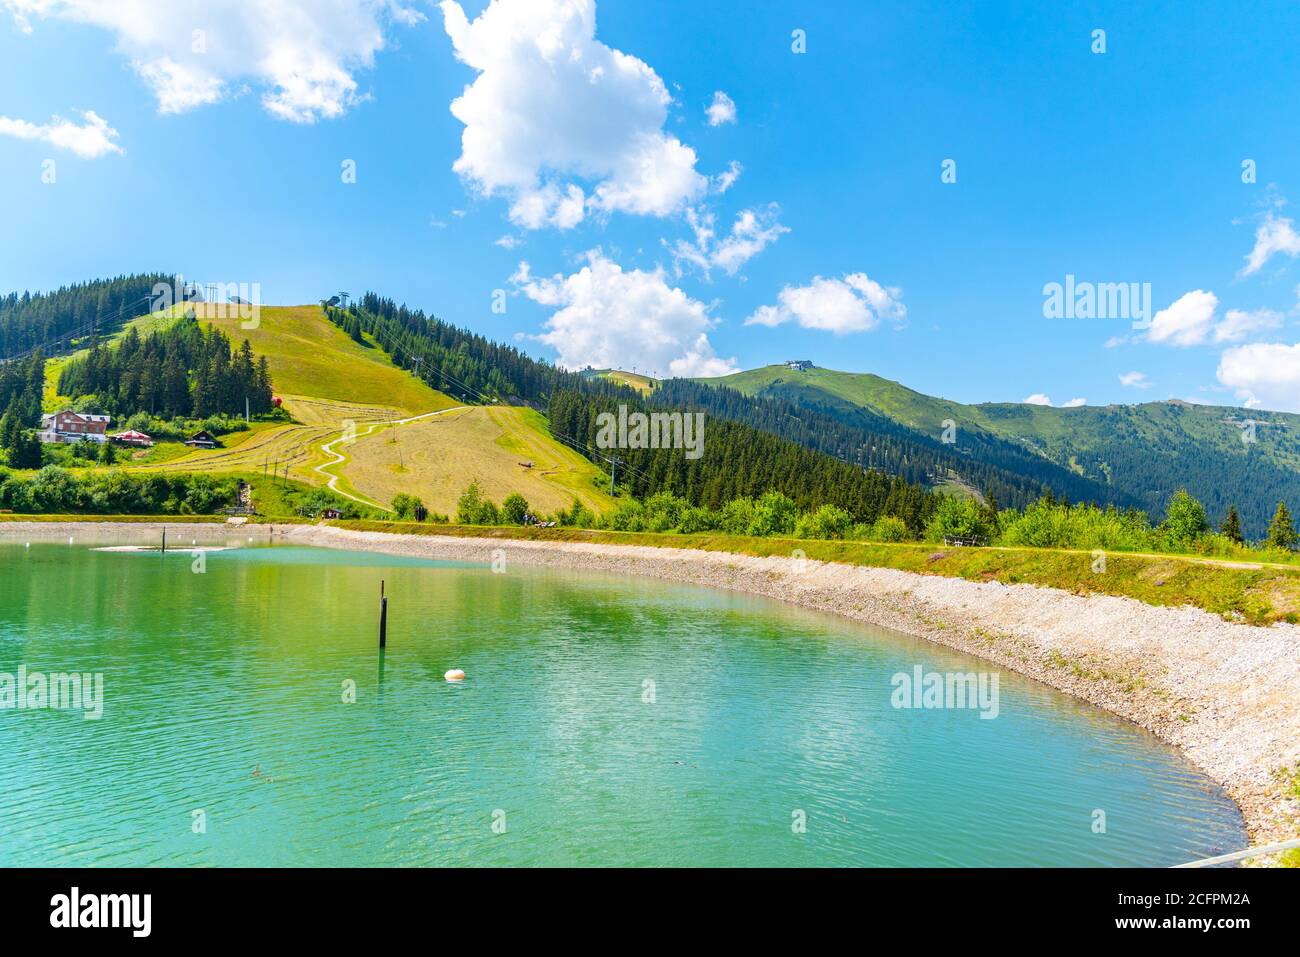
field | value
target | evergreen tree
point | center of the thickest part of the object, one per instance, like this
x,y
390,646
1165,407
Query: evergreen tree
x,y
1281,531
26,452
1231,527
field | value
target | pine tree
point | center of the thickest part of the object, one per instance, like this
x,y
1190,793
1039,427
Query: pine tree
x,y
1231,527
1281,532
10,430
26,452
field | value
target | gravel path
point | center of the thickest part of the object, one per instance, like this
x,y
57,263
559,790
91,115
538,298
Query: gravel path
x,y
1226,694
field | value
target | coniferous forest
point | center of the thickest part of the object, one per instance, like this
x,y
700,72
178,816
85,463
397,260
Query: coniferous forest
x,y
52,321
184,371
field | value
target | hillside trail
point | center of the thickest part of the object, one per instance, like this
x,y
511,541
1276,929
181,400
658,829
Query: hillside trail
x,y
328,449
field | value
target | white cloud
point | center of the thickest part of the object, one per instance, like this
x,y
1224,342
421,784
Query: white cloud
x,y
195,52
855,303
608,318
726,179
721,110
1187,321
91,139
508,241
561,123
1239,324
1264,374
751,233
1134,380
1275,234
1039,398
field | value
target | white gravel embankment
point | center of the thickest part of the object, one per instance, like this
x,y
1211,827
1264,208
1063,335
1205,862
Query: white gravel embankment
x,y
1226,694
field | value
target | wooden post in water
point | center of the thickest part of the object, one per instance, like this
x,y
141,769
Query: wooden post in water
x,y
164,543
383,616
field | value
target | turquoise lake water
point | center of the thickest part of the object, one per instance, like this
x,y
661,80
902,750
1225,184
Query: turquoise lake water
x,y
604,721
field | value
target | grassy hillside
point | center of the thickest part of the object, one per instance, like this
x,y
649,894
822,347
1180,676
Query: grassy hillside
x,y
642,383
310,356
333,386
437,457
913,409
1147,450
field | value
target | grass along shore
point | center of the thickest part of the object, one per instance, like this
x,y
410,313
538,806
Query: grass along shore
x,y
1257,593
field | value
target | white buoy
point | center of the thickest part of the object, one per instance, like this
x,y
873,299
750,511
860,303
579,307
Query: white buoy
x,y
455,675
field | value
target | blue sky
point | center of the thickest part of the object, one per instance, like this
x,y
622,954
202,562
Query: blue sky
x,y
838,241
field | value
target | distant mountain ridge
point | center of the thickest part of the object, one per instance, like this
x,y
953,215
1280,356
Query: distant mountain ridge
x,y
1222,455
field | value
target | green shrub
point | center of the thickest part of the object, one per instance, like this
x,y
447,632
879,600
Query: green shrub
x,y
514,508
889,528
663,512
406,505
54,490
959,517
473,509
1185,521
828,522
774,514
736,516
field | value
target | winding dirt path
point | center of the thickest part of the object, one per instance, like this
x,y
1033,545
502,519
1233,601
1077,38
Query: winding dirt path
x,y
328,449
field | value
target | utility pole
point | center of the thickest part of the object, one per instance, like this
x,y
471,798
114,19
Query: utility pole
x,y
613,471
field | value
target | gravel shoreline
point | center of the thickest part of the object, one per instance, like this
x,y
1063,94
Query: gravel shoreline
x,y
1226,694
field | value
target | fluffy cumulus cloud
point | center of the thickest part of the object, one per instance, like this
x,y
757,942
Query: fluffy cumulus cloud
x,y
1275,234
1134,380
1192,320
855,303
560,123
1186,322
610,318
752,232
303,55
722,110
1241,324
89,139
1263,374
1040,398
